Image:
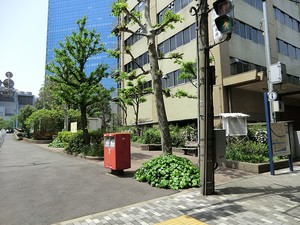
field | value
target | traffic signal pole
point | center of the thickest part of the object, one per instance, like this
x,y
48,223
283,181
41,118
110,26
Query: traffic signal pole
x,y
206,104
205,79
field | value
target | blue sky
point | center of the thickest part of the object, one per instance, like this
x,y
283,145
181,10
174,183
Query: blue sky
x,y
23,30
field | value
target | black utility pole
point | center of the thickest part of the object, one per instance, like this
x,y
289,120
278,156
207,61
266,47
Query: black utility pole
x,y
206,80
206,105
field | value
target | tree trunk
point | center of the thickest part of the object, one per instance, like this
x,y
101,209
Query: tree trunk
x,y
137,119
66,118
158,94
86,135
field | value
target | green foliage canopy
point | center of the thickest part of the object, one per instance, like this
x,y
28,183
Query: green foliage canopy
x,y
69,73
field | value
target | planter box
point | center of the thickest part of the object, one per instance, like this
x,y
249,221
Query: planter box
x,y
255,167
37,141
151,147
94,157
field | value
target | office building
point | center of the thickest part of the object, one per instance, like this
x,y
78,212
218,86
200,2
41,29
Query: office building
x,y
240,63
62,17
12,100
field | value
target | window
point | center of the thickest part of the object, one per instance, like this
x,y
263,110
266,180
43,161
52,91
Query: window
x,y
291,51
254,35
237,27
177,74
255,3
170,80
288,49
282,47
248,31
239,66
260,38
172,43
193,31
295,25
179,39
285,19
164,83
184,3
298,53
259,5
288,21
177,6
242,30
186,36
145,58
279,15
161,48
166,44
160,15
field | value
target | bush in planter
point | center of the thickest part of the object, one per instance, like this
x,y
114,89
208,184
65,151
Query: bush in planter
x,y
180,135
97,144
64,136
132,130
169,171
62,139
76,146
249,151
258,133
150,136
56,143
43,135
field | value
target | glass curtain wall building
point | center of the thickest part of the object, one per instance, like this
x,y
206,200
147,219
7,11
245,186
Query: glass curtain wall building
x,y
62,17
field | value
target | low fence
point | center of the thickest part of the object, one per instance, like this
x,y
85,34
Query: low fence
x,y
2,136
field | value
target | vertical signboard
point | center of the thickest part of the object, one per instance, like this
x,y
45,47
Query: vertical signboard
x,y
280,139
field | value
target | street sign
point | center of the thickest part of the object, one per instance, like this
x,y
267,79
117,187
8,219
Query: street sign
x,y
272,96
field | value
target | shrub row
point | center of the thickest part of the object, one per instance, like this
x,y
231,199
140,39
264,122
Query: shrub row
x,y
179,135
73,143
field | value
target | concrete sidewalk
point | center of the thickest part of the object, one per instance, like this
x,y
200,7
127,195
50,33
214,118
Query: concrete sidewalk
x,y
138,157
241,198
256,199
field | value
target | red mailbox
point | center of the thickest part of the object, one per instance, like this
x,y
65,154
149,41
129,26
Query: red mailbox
x,y
117,152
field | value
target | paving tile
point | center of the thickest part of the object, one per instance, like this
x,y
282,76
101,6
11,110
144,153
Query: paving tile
x,y
259,199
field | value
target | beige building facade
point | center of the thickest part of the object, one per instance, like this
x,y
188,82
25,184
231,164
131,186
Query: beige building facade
x,y
240,63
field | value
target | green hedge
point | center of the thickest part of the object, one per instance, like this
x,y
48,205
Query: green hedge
x,y
76,144
247,151
73,143
151,135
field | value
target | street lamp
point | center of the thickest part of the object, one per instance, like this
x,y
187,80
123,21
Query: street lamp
x,y
8,86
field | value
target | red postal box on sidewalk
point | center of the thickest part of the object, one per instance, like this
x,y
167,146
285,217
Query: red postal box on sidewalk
x,y
117,152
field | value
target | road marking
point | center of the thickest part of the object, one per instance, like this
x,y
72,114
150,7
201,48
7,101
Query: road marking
x,y
182,220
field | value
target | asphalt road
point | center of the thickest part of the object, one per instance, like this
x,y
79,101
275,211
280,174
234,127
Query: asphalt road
x,y
41,187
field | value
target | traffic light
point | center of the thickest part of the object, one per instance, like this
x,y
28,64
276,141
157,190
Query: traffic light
x,y
224,22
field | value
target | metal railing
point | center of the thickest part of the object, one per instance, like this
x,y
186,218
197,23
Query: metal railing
x,y
2,136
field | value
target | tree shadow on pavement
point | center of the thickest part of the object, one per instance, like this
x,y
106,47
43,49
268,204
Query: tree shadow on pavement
x,y
232,173
140,156
230,207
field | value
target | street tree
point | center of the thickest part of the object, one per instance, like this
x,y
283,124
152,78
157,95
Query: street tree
x,y
133,94
25,112
189,73
102,107
69,73
121,102
150,31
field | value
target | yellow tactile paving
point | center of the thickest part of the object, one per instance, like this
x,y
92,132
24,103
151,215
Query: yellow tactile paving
x,y
182,220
